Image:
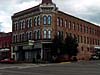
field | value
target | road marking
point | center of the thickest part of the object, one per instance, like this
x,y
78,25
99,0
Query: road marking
x,y
24,66
65,62
8,67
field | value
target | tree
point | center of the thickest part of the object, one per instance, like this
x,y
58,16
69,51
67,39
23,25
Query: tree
x,y
70,46
61,47
57,45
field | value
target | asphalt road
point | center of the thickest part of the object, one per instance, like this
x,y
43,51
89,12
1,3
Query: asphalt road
x,y
75,68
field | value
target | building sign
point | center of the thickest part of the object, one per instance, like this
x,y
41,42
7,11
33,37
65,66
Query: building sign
x,y
28,47
37,45
31,42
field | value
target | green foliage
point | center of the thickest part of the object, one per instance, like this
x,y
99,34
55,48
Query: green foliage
x,y
67,46
70,46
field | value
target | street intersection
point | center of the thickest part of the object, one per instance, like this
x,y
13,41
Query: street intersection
x,y
74,68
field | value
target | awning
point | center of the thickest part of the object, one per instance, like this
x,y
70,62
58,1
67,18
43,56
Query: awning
x,y
4,49
97,47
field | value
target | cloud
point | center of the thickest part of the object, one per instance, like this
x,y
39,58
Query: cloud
x,y
8,8
85,9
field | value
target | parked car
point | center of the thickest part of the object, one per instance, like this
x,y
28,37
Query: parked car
x,y
7,61
94,57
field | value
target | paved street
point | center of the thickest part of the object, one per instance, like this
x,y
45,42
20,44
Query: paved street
x,y
79,68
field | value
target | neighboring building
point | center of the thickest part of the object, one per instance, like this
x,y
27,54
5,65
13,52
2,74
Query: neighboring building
x,y
34,28
5,45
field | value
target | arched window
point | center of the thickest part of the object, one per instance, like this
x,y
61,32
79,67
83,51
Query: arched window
x,y
38,20
49,20
38,34
49,34
30,35
30,22
23,24
35,21
44,20
35,35
23,37
45,34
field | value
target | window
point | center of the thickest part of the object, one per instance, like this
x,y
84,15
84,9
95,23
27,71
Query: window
x,y
69,25
45,34
35,35
23,24
14,25
84,40
60,34
87,40
90,30
78,39
86,29
61,22
78,27
30,35
38,34
65,23
82,48
81,39
27,23
49,20
44,20
38,20
35,21
73,26
23,37
49,34
58,21
20,37
14,38
30,22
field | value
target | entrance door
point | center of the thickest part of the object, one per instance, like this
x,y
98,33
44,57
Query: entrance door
x,y
21,54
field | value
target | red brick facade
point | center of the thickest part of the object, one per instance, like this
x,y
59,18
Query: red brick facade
x,y
5,45
41,23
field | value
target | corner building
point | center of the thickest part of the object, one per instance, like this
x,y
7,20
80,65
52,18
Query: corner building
x,y
34,28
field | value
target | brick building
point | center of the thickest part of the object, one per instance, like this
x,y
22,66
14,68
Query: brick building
x,y
5,45
35,27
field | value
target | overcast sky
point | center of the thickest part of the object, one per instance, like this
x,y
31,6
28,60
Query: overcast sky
x,y
85,9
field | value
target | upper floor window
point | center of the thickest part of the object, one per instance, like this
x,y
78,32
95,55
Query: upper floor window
x,y
61,22
38,20
65,23
69,25
45,34
80,28
23,24
44,20
73,26
49,34
30,22
27,23
58,21
35,35
29,35
60,34
35,21
38,34
49,20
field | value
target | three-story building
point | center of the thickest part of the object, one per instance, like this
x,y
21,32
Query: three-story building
x,y
34,28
